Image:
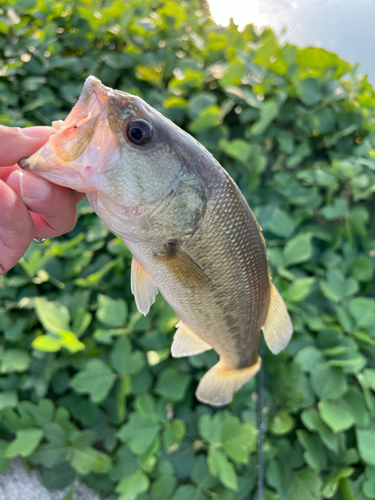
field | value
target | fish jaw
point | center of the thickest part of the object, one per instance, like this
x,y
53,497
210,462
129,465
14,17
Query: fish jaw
x,y
82,146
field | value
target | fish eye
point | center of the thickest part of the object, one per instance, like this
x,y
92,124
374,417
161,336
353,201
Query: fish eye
x,y
139,132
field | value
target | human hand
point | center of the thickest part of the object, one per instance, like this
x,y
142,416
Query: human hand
x,y
30,207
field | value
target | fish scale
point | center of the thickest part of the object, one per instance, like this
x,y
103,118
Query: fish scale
x,y
191,232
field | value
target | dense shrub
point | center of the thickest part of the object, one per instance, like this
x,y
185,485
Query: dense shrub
x,y
88,387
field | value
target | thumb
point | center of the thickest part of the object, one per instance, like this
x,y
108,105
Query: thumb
x,y
17,143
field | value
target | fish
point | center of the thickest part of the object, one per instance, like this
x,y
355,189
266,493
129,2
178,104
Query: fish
x,y
191,232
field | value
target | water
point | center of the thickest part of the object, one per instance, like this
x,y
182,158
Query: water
x,y
345,27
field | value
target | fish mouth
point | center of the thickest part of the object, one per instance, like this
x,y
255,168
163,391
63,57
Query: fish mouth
x,y
75,134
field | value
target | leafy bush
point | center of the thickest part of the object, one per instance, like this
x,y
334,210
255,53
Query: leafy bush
x,y
88,387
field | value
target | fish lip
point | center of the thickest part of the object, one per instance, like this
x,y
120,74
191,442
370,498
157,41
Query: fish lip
x,y
90,83
76,132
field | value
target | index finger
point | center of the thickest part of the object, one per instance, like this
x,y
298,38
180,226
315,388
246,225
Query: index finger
x,y
17,143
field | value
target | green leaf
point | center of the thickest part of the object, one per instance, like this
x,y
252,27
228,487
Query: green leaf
x,y
173,434
268,113
8,399
298,290
368,487
96,379
291,386
337,210
238,149
87,459
279,475
43,412
51,454
200,473
335,416
322,121
363,311
139,432
111,312
282,423
53,315
58,477
328,382
188,492
4,462
220,466
281,224
200,101
210,427
27,440
336,287
331,482
68,495
131,486
308,91
306,484
208,117
366,445
298,250
314,451
309,357
172,384
70,342
238,439
361,269
163,487
125,361
367,378
312,420
46,343
81,321
354,402
15,360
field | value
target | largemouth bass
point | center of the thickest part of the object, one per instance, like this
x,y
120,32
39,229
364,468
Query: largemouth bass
x,y
191,232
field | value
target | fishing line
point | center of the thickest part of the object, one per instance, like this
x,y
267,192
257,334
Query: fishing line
x,y
260,425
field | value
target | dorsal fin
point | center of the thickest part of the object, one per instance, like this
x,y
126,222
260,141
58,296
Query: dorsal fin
x,y
142,287
187,343
277,328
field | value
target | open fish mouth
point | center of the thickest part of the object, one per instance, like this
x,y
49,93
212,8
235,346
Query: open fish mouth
x,y
75,134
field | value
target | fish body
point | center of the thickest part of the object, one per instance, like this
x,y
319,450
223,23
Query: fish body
x,y
191,232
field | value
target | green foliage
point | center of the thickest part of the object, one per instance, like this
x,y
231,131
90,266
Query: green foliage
x,y
88,388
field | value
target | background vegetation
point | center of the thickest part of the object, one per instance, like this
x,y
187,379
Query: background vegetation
x,y
88,387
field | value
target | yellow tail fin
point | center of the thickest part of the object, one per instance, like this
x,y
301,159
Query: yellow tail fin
x,y
219,384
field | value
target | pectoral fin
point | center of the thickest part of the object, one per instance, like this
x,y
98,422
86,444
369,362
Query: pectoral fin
x,y
219,384
142,287
186,343
184,268
278,328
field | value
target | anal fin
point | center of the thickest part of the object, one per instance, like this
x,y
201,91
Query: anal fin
x,y
278,328
142,287
186,343
218,385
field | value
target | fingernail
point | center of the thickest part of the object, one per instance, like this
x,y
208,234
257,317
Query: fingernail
x,y
33,188
36,132
8,196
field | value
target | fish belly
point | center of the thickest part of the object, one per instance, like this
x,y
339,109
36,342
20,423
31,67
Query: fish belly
x,y
229,248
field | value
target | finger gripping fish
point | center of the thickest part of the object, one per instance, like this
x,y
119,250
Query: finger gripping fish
x,y
191,232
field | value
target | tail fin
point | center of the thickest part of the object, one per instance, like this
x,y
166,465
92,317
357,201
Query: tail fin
x,y
218,384
278,328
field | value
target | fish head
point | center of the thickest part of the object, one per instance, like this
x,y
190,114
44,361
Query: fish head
x,y
115,148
